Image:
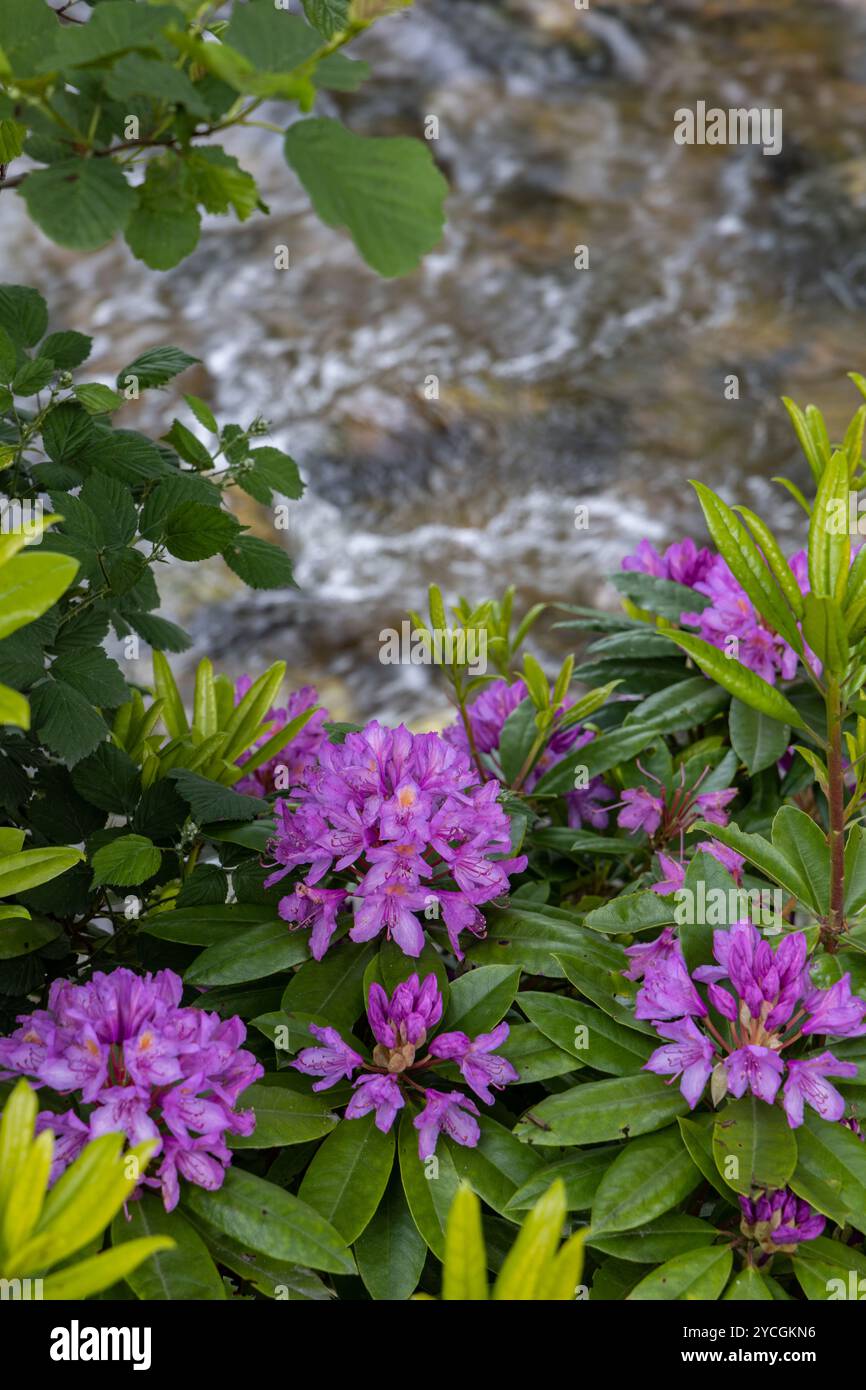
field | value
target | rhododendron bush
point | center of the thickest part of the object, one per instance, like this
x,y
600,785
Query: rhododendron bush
x,y
375,1006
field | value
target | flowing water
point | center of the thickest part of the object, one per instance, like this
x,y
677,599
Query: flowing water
x,y
557,386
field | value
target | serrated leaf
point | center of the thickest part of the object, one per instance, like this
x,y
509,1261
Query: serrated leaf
x,y
80,203
259,564
97,399
155,367
66,721
387,192
195,531
126,861
67,349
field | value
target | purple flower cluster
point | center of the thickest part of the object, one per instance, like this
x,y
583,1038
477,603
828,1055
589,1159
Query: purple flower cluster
x,y
487,715
779,1220
288,767
730,612
400,1025
766,1004
403,818
149,1068
682,562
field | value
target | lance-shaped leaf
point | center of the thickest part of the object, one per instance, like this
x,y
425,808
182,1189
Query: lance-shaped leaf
x,y
767,857
464,1274
855,596
739,680
829,541
747,565
772,552
102,1271
534,1248
810,448
824,630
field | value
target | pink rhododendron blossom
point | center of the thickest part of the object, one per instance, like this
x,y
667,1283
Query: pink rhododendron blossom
x,y
400,1025
766,1002
289,766
143,1065
404,820
487,715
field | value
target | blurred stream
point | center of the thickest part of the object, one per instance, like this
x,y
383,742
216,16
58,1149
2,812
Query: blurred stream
x,y
557,386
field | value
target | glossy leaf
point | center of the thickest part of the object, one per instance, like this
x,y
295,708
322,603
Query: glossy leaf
x,y
753,1145
698,1275
650,1176
739,680
271,1221
600,1110
390,1250
464,1275
348,1175
182,1270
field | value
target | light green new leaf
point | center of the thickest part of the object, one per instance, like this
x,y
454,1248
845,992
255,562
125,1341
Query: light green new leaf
x,y
464,1274
30,867
29,585
126,861
534,1248
182,1270
102,1271
829,540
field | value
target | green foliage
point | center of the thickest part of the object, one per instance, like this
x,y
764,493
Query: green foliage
x,y
123,114
536,1266
40,1231
171,852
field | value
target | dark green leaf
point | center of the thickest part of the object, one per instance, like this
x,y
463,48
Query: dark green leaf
x,y
79,203
259,564
388,192
271,1221
348,1175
